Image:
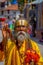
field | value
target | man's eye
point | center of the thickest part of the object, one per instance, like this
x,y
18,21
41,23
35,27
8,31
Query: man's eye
x,y
20,26
23,26
17,26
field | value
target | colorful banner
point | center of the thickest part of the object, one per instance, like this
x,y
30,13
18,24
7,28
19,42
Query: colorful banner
x,y
14,2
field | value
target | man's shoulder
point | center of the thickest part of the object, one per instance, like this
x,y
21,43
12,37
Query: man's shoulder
x,y
35,45
33,42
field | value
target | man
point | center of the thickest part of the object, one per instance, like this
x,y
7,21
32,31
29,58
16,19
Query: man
x,y
15,49
33,24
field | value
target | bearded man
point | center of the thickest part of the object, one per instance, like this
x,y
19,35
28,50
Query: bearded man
x,y
15,49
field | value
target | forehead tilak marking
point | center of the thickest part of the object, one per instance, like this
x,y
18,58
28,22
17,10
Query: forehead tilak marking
x,y
22,22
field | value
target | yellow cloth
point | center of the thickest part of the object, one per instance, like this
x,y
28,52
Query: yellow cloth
x,y
1,55
13,57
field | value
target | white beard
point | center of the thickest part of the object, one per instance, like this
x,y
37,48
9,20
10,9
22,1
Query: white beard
x,y
21,36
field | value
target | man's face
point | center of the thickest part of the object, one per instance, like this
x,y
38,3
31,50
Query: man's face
x,y
21,33
21,28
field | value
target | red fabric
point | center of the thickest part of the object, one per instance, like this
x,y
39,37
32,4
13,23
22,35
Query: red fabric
x,y
29,31
2,19
31,54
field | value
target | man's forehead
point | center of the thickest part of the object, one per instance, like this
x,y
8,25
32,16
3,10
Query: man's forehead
x,y
21,22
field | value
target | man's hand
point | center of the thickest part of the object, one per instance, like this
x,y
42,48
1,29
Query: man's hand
x,y
4,33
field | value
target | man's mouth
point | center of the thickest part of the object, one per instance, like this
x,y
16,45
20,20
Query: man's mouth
x,y
20,33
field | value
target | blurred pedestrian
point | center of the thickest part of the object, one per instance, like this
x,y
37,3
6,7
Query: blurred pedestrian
x,y
13,26
41,40
33,24
30,30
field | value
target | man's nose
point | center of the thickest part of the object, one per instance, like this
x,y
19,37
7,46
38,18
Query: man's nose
x,y
21,28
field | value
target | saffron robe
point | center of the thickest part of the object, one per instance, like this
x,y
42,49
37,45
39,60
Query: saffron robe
x,y
13,55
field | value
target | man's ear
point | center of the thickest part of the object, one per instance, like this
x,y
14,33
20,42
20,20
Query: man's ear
x,y
27,28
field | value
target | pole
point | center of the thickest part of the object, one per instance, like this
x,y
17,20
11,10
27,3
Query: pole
x,y
31,5
25,2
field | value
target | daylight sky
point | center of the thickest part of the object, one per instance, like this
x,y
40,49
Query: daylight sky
x,y
37,1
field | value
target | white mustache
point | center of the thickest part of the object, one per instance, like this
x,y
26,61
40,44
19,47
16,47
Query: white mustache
x,y
20,32
23,33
